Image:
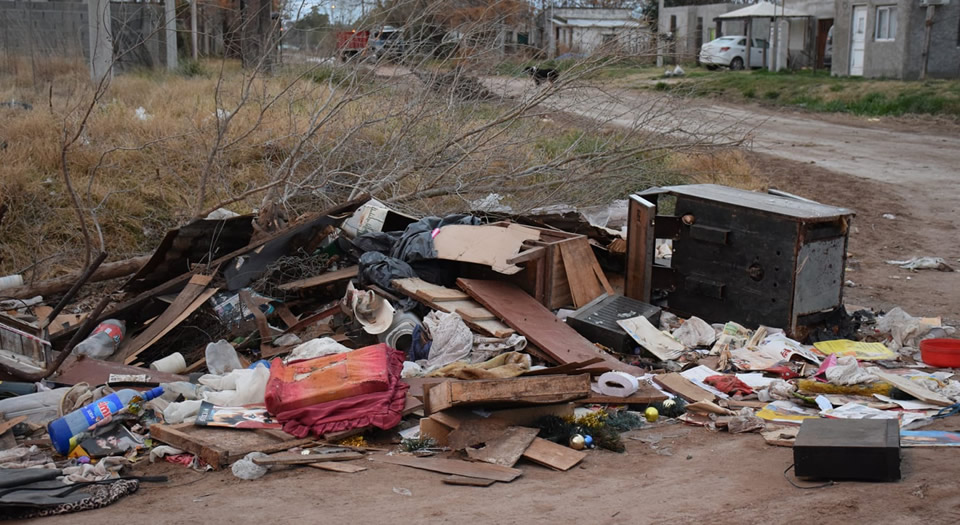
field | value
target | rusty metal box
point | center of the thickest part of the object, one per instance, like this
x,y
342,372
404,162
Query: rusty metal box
x,y
737,255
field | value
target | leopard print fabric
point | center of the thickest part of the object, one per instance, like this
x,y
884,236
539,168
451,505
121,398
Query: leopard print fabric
x,y
99,496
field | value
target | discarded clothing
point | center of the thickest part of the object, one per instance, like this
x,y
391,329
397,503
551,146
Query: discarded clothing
x,y
315,348
49,498
452,339
729,385
510,364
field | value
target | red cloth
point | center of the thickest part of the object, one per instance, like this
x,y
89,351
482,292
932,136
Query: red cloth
x,y
382,409
728,385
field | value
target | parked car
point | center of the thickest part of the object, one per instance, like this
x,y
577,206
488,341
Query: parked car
x,y
731,51
828,50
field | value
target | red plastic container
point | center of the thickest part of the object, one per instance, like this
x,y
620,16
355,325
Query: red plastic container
x,y
943,353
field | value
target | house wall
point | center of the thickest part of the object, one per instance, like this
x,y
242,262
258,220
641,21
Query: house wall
x,y
586,40
902,57
683,45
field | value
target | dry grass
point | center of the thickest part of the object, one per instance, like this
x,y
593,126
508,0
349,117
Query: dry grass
x,y
729,167
142,177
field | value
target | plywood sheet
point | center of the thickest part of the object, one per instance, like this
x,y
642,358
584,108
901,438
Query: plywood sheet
x,y
454,466
473,314
550,454
488,245
507,448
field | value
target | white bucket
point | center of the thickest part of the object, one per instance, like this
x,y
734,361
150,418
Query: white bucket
x,y
172,364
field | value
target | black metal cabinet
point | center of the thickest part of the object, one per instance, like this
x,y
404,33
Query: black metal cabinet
x,y
749,257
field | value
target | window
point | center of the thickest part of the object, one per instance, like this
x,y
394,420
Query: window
x,y
742,42
886,23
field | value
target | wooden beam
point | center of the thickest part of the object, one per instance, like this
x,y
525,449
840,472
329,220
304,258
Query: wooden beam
x,y
343,274
529,390
641,248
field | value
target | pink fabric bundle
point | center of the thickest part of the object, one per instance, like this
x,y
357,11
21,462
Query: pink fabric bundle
x,y
382,409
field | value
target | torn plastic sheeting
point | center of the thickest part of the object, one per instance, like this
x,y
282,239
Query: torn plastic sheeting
x,y
695,332
379,269
923,263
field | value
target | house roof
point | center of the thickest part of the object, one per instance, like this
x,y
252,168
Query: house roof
x,y
588,22
763,10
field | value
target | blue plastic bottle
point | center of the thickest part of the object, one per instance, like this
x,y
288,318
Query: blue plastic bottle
x,y
64,429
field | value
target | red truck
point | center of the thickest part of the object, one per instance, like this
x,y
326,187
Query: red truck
x,y
351,43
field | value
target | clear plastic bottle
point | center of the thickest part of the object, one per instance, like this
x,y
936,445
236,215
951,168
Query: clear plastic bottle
x,y
63,430
103,341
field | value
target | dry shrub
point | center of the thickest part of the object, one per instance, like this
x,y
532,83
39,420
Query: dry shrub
x,y
729,167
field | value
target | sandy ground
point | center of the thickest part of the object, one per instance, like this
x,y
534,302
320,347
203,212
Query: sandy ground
x,y
671,473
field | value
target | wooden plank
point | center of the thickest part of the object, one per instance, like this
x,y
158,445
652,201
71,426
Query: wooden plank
x,y
527,316
584,284
644,396
506,449
343,274
468,482
435,430
914,389
472,313
529,390
454,466
293,458
286,315
569,368
641,239
188,300
348,468
439,294
219,447
683,387
550,454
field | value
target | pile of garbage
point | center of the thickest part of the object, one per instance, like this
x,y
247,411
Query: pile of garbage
x,y
462,345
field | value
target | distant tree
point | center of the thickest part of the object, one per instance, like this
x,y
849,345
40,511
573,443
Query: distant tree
x,y
650,11
312,20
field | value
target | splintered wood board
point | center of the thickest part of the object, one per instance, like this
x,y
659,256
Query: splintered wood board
x,y
526,315
193,295
506,449
914,389
530,390
219,447
453,301
293,458
586,279
455,467
343,274
550,454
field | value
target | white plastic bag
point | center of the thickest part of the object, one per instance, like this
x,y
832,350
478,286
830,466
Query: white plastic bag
x,y
247,469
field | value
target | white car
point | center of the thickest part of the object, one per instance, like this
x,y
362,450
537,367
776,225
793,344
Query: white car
x,y
731,51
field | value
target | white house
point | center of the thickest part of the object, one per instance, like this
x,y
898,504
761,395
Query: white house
x,y
585,30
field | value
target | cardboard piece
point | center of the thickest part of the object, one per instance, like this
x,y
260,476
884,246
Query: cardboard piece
x,y
654,341
219,447
468,482
550,454
295,458
454,466
506,449
487,245
682,387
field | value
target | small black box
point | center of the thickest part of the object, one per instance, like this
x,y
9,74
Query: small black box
x,y
851,449
597,320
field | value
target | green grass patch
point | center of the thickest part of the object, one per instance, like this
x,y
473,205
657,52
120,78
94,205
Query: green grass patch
x,y
819,91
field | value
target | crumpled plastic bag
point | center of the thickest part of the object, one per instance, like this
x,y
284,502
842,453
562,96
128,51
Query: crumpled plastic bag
x,y
923,263
106,468
777,390
158,452
179,412
848,372
452,339
745,421
315,348
905,331
695,332
247,469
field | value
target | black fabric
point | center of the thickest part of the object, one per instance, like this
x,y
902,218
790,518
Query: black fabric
x,y
376,268
48,498
15,477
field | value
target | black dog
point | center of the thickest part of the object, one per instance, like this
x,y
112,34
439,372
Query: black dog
x,y
542,74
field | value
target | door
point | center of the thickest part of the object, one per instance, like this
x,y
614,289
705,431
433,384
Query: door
x,y
823,52
858,40
756,52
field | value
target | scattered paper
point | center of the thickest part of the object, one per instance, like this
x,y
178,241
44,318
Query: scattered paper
x,y
858,411
861,350
696,376
656,342
772,350
823,403
786,412
755,380
906,404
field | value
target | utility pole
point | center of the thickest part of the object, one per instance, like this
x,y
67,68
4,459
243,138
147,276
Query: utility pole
x,y
170,31
925,54
101,39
